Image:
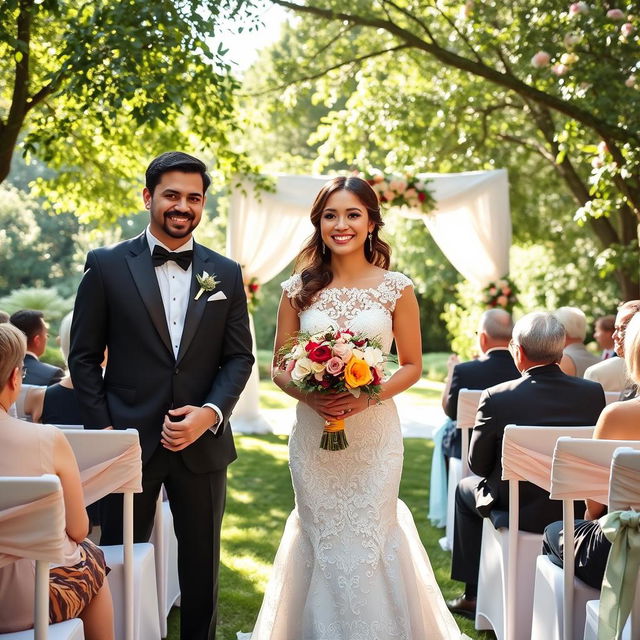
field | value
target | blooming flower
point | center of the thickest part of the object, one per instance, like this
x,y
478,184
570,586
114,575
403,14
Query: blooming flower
x,y
357,373
321,353
627,29
616,14
569,58
571,40
630,82
559,69
540,59
502,301
343,351
334,366
577,8
373,356
302,369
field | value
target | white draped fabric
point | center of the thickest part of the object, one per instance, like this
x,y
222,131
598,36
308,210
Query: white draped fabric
x,y
471,224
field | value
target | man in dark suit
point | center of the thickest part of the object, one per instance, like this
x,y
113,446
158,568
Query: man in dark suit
x,y
544,395
32,324
496,365
179,356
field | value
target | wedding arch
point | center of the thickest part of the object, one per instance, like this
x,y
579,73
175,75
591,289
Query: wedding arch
x,y
471,223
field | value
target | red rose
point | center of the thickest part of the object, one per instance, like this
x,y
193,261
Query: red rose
x,y
321,353
310,346
421,196
324,383
360,343
376,377
254,287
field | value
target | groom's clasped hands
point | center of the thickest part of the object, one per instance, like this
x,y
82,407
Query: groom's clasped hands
x,y
184,425
332,406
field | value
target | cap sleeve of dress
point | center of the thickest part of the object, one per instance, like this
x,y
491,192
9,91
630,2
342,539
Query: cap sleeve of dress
x,y
292,285
393,285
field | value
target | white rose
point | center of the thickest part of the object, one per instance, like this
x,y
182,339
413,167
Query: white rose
x,y
298,351
302,369
358,354
372,356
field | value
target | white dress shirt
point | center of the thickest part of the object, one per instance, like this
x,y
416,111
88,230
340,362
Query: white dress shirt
x,y
175,288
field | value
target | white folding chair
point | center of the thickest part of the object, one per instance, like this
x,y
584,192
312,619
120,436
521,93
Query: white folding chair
x,y
165,546
468,401
48,523
508,556
612,396
132,578
624,494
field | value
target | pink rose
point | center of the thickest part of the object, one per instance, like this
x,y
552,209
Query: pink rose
x,y
334,366
388,195
290,365
627,29
502,301
615,14
559,69
540,59
493,291
342,351
577,8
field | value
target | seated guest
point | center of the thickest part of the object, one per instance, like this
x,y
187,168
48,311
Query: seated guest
x,y
56,404
575,357
603,335
32,324
619,421
544,395
496,365
78,588
612,372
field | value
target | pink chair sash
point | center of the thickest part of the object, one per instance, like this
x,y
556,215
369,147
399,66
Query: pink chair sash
x,y
584,480
624,489
117,475
521,463
34,540
467,409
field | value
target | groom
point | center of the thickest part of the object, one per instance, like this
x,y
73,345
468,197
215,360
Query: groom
x,y
179,356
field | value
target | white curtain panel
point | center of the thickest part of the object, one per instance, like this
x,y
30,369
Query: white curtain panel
x,y
471,224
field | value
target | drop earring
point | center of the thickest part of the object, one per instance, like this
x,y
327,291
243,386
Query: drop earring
x,y
370,242
324,248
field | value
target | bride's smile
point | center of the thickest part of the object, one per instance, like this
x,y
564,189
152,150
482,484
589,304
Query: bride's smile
x,y
345,223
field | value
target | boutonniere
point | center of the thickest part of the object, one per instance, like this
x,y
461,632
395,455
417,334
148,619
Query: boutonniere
x,y
207,283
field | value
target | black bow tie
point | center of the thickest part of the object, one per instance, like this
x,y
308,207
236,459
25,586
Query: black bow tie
x,y
182,258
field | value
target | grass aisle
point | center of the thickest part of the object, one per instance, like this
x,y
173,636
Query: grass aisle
x,y
259,499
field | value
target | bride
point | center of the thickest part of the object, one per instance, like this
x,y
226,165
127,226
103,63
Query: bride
x,y
350,565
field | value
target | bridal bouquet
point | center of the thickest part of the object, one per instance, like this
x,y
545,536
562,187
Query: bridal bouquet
x,y
330,362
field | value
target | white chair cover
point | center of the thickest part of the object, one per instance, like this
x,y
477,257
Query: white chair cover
x,y
32,525
110,462
468,401
512,570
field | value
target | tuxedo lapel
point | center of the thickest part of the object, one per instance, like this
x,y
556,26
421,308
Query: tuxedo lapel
x,y
142,271
196,308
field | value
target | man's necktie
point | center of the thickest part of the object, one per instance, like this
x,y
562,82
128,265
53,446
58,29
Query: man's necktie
x,y
182,258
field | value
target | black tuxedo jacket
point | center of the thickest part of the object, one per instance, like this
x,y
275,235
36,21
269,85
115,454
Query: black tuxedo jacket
x,y
544,396
493,368
119,306
41,373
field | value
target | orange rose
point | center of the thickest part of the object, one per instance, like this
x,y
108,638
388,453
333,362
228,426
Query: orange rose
x,y
357,373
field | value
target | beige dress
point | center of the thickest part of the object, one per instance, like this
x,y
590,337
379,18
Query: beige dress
x,y
26,449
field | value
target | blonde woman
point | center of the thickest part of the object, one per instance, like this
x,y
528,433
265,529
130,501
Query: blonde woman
x,y
78,589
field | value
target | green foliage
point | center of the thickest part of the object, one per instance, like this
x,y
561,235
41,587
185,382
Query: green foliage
x,y
100,88
48,301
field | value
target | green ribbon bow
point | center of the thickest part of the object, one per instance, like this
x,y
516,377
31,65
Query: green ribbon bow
x,y
622,529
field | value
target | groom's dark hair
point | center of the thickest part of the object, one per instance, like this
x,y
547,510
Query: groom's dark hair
x,y
175,161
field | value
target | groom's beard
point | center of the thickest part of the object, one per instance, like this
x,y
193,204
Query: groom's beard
x,y
186,228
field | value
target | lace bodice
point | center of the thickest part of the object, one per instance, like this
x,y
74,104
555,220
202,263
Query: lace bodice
x,y
369,311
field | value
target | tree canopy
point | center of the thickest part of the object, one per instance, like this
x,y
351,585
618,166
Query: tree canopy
x,y
548,90
96,89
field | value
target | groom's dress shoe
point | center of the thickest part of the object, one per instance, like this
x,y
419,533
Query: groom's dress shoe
x,y
463,607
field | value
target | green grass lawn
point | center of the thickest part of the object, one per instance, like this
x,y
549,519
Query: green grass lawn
x,y
259,500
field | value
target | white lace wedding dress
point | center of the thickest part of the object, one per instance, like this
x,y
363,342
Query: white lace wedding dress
x,y
350,564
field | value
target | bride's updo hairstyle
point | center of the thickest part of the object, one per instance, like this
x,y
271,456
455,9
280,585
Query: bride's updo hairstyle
x,y
313,265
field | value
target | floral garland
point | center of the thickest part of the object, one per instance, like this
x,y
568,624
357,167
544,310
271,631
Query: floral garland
x,y
501,294
252,289
402,191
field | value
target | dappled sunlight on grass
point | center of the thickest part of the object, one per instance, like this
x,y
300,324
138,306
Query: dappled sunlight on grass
x,y
259,501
